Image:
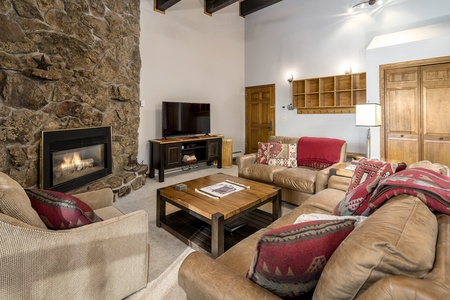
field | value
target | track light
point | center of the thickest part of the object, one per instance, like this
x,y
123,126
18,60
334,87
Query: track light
x,y
362,4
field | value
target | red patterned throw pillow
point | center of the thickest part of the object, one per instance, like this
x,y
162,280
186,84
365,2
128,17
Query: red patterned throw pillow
x,y
283,155
263,153
364,181
290,259
369,168
61,211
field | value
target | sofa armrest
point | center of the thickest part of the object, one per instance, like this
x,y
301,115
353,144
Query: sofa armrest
x,y
339,183
103,260
97,199
322,179
403,287
245,161
203,278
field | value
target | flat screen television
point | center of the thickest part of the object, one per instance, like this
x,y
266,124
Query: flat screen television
x,y
184,118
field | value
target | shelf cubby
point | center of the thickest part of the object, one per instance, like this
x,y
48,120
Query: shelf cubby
x,y
329,95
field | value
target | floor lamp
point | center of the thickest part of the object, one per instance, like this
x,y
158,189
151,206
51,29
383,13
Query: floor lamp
x,y
368,115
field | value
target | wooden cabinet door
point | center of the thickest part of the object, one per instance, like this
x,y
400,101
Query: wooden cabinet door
x,y
213,149
436,113
173,152
402,115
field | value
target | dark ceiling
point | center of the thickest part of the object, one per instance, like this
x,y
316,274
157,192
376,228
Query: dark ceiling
x,y
246,7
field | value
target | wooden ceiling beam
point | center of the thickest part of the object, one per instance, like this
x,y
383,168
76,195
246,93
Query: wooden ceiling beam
x,y
161,5
211,6
250,6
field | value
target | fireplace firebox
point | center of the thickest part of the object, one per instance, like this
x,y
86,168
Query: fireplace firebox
x,y
74,157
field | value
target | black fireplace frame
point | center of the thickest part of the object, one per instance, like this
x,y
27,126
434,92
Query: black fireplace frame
x,y
66,139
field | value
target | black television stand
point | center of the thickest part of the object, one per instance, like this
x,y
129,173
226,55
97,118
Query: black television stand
x,y
170,153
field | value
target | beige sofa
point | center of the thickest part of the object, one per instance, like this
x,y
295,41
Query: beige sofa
x,y
297,184
103,260
401,251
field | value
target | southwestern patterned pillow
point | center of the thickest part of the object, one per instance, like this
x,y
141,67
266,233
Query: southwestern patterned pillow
x,y
61,211
263,153
290,259
369,168
283,155
356,202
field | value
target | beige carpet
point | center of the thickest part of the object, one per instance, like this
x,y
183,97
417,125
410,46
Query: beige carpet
x,y
166,251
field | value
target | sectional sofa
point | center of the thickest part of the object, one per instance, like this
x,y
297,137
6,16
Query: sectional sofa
x,y
401,251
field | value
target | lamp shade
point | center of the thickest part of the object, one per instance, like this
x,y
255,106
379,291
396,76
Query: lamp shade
x,y
368,114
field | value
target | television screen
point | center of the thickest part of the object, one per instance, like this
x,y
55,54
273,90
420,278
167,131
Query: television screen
x,y
183,118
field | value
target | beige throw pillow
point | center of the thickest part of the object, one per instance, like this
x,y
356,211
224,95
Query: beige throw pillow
x,y
15,203
398,239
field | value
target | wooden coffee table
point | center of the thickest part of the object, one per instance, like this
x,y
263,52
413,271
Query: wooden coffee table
x,y
217,213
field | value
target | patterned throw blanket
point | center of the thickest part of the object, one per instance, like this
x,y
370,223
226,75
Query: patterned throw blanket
x,y
431,187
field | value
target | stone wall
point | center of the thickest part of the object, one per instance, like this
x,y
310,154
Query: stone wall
x,y
67,64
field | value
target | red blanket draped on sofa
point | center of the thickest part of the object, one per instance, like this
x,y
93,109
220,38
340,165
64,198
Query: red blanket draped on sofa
x,y
429,186
319,153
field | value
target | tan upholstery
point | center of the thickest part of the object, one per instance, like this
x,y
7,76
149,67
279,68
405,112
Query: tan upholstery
x,y
15,203
382,246
103,260
298,184
402,251
434,286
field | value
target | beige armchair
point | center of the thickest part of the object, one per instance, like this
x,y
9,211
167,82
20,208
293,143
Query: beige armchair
x,y
104,260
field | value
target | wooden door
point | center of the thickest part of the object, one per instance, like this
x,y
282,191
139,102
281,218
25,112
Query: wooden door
x,y
402,115
259,115
436,113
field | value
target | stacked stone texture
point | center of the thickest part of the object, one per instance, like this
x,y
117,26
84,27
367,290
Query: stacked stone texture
x,y
67,64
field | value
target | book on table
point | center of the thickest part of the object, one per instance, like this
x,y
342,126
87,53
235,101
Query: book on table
x,y
222,189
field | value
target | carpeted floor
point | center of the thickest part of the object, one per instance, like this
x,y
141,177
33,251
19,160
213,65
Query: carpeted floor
x,y
166,251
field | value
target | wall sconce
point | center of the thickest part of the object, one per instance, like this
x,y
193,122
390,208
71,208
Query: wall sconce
x,y
290,78
368,115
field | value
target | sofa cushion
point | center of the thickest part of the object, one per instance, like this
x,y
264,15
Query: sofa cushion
x,y
323,202
319,153
300,179
15,203
261,172
283,155
290,259
440,168
397,239
61,211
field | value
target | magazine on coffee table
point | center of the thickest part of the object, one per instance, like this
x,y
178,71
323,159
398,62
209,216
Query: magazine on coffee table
x,y
222,189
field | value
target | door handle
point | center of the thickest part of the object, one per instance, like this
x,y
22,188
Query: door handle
x,y
270,125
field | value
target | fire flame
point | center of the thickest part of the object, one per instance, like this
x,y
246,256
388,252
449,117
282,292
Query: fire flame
x,y
71,160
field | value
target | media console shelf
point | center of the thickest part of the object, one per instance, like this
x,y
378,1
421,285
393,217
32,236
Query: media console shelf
x,y
178,152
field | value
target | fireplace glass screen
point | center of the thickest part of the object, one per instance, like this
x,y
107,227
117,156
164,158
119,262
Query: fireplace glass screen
x,y
68,165
72,158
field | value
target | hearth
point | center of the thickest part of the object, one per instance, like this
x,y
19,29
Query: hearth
x,y
74,157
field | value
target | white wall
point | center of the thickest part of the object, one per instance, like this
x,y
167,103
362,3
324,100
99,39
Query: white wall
x,y
312,38
191,57
418,43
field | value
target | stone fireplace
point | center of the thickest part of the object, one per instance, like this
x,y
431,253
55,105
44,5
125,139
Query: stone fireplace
x,y
73,158
69,65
